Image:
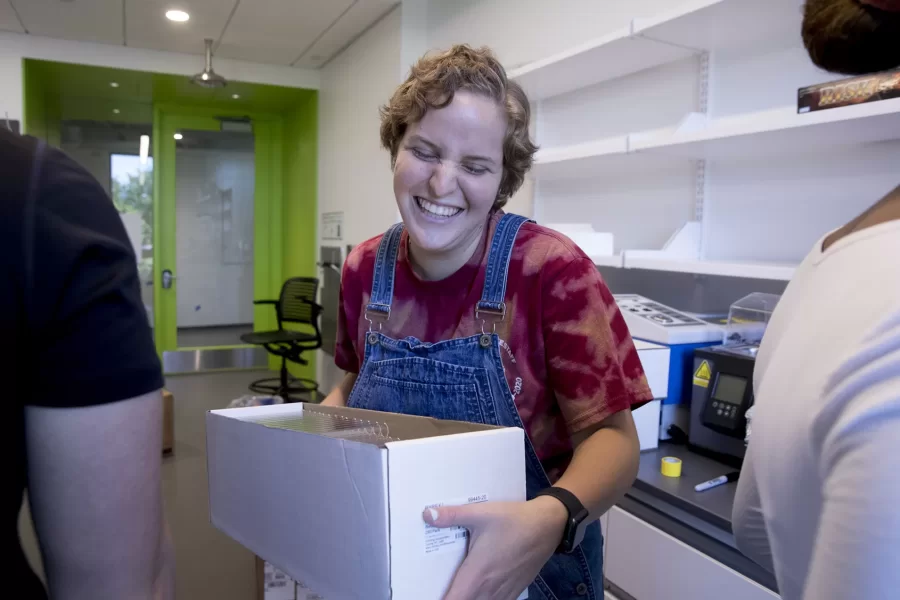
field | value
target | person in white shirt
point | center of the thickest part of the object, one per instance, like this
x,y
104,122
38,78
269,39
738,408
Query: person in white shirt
x,y
818,500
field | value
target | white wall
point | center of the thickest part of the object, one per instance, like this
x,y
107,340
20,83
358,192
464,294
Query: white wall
x,y
521,31
354,171
14,47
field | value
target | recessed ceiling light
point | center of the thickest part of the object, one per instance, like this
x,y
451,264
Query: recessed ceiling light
x,y
116,111
178,136
235,96
179,16
114,84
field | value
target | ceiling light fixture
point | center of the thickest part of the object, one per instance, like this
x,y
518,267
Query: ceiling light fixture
x,y
145,149
208,78
177,136
236,96
113,84
179,16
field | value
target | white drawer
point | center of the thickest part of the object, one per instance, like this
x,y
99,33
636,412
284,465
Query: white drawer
x,y
649,564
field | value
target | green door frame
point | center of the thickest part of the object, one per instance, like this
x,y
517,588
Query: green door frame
x,y
267,224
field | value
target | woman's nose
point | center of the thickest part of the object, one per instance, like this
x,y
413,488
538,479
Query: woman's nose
x,y
443,180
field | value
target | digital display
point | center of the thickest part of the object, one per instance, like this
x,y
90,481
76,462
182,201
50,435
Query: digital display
x,y
730,389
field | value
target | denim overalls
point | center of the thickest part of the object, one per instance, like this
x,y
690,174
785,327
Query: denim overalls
x,y
435,380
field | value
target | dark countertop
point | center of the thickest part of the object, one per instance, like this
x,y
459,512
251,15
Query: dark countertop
x,y
713,506
701,520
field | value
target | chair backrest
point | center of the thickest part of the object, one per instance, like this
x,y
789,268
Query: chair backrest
x,y
293,310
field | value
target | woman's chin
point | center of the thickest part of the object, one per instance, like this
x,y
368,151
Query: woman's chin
x,y
430,235
431,242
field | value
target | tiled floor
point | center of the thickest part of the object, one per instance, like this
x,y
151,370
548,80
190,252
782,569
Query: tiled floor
x,y
209,564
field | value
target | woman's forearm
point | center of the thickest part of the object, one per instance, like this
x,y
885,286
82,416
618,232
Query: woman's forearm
x,y
605,463
341,393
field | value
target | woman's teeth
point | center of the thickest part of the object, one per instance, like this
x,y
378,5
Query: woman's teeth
x,y
436,209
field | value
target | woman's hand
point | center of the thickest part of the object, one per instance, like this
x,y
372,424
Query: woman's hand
x,y
509,542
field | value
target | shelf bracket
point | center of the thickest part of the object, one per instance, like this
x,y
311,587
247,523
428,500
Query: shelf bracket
x,y
702,107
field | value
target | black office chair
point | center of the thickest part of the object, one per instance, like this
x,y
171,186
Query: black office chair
x,y
296,305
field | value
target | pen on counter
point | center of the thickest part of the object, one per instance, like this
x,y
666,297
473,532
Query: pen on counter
x,y
708,485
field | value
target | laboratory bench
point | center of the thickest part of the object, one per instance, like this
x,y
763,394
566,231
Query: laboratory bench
x,y
664,540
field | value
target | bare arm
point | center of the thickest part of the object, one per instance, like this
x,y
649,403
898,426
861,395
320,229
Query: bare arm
x,y
340,394
604,464
95,491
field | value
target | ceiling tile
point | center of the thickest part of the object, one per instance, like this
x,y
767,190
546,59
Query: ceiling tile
x,y
85,20
363,14
277,31
8,20
148,27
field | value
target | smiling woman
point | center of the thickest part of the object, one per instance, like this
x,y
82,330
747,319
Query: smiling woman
x,y
427,307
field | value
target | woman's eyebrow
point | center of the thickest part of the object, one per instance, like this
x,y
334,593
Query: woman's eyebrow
x,y
421,140
487,159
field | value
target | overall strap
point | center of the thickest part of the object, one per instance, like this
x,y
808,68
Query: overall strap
x,y
492,298
379,305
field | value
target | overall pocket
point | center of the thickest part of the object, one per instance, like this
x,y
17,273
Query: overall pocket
x,y
458,402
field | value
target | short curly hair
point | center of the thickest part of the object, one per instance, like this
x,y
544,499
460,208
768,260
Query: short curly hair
x,y
433,81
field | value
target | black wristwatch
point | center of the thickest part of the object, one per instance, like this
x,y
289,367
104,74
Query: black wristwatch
x,y
577,521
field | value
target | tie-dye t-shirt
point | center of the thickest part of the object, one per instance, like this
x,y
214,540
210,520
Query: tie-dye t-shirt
x,y
567,354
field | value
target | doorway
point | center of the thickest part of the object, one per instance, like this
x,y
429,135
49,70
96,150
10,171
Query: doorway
x,y
218,218
216,212
214,179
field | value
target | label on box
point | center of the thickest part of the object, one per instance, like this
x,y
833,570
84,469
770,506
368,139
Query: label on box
x,y
456,537
277,585
304,593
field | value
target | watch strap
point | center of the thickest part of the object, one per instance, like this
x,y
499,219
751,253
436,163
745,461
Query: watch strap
x,y
575,523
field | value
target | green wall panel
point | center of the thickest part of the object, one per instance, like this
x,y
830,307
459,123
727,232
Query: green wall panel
x,y
300,189
285,129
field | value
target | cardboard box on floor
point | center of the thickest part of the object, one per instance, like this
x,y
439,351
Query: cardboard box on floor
x,y
168,441
334,496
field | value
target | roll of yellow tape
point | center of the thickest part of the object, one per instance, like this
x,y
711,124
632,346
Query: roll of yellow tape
x,y
671,466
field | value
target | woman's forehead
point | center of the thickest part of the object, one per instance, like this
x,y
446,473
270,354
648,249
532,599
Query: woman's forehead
x,y
469,121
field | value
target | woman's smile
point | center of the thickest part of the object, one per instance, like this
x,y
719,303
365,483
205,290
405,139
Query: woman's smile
x,y
436,212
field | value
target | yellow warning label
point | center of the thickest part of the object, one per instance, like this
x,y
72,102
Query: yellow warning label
x,y
702,374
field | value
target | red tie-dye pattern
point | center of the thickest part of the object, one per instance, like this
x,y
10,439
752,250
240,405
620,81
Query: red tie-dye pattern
x,y
574,362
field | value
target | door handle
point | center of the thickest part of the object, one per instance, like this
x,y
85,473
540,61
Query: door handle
x,y
167,279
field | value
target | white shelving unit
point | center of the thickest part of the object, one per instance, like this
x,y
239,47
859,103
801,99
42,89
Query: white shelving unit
x,y
746,269
614,260
613,55
753,270
693,27
727,148
780,131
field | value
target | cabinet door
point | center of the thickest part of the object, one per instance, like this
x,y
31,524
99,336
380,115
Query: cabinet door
x,y
651,565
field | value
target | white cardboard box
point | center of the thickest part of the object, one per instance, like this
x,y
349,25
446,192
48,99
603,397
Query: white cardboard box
x,y
322,494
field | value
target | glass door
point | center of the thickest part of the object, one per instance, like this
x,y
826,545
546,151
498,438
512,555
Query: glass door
x,y
206,277
214,201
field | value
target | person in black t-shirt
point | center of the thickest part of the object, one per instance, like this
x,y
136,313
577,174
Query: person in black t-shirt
x,y
81,388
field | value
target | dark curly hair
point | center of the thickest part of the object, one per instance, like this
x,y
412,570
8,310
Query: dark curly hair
x,y
433,81
853,37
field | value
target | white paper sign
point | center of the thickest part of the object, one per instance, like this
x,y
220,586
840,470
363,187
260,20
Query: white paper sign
x,y
332,226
